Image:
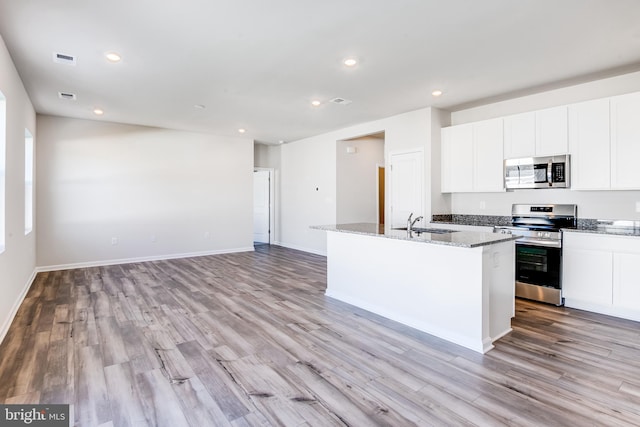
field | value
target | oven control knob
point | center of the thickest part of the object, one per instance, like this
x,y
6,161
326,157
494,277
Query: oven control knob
x,y
547,235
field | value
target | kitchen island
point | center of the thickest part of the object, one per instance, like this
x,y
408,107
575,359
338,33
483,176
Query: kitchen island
x,y
458,285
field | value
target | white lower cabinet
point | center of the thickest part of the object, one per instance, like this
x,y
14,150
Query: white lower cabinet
x,y
601,273
588,276
626,280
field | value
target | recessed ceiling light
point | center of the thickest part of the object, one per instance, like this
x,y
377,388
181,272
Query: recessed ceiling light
x,y
98,111
436,93
113,57
350,62
242,130
315,103
281,142
199,106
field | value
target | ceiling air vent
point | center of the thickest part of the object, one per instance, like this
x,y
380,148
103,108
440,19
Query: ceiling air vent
x,y
63,58
340,101
67,95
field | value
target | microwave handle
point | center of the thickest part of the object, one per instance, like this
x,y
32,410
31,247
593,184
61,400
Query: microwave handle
x,y
550,173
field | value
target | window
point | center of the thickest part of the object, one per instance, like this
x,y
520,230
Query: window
x,y
3,164
28,182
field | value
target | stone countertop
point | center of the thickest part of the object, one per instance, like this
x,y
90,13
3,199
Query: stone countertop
x,y
611,231
475,220
464,239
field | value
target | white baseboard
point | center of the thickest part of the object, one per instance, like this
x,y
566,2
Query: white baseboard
x,y
14,310
301,248
140,259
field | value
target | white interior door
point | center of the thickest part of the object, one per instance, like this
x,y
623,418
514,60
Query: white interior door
x,y
407,186
261,201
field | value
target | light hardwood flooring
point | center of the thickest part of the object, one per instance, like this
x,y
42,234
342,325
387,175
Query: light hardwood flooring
x,y
250,340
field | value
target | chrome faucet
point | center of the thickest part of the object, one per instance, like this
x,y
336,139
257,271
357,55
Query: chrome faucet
x,y
410,223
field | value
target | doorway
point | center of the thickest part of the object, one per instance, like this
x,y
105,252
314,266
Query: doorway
x,y
262,206
381,187
359,189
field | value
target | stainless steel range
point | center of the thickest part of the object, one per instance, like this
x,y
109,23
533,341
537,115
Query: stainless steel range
x,y
539,249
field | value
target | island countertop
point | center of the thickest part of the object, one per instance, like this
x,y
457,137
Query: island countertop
x,y
465,239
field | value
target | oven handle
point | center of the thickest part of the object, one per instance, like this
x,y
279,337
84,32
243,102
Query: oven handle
x,y
539,242
550,173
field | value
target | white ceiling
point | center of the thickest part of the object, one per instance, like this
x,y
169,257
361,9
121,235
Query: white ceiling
x,y
257,64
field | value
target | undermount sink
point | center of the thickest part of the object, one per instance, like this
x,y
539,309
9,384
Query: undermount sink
x,y
419,230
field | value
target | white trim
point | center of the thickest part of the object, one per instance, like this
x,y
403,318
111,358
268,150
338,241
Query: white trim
x,y
14,310
140,259
300,248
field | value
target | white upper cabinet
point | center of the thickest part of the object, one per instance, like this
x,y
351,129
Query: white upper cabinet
x,y
552,132
537,133
625,142
589,142
472,157
520,135
457,159
488,143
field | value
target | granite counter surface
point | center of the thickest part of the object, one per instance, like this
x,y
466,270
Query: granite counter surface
x,y
611,231
464,239
476,220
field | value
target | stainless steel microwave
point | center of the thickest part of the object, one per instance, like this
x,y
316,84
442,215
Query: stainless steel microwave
x,y
537,172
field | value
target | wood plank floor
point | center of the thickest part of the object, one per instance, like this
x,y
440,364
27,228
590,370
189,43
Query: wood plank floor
x,y
250,340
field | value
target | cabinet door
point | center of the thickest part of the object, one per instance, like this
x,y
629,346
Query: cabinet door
x,y
589,143
626,283
552,132
445,160
488,143
458,154
587,276
625,142
520,135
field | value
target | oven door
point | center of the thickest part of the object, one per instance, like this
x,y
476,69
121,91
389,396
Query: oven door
x,y
538,263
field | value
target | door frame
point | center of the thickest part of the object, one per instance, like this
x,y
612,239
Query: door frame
x,y
272,205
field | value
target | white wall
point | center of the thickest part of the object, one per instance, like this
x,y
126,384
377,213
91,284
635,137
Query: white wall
x,y
310,164
17,262
161,193
357,179
591,204
440,203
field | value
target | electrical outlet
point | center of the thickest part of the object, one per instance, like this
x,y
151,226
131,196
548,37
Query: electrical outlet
x,y
153,238
207,234
483,205
637,206
114,241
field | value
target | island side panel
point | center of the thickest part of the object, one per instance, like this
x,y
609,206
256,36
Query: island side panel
x,y
499,279
437,289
